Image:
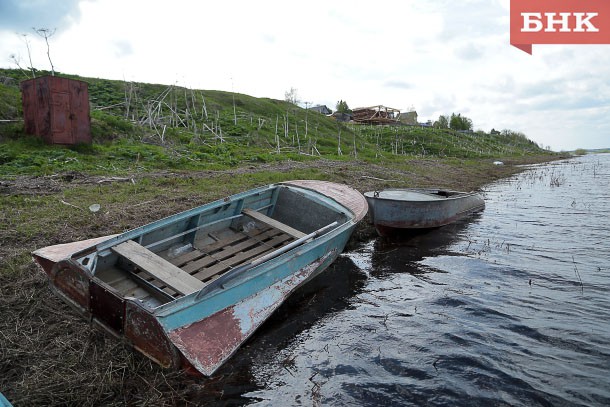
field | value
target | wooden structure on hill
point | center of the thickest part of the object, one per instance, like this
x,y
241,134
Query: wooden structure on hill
x,y
376,115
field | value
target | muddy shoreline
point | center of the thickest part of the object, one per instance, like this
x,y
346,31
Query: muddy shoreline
x,y
49,355
360,175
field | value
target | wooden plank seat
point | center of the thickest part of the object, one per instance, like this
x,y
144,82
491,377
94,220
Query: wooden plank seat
x,y
169,274
273,223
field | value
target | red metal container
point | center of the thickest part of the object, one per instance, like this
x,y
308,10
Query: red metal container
x,y
57,109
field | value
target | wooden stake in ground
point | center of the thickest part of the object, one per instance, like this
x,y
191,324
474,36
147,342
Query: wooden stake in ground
x,y
277,136
339,144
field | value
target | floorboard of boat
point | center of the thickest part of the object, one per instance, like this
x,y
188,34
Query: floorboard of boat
x,y
205,262
201,250
226,252
242,257
125,286
232,239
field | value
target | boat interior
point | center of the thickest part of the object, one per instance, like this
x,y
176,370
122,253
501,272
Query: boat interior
x,y
180,255
446,193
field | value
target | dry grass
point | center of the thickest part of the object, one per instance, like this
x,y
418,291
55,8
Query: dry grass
x,y
50,356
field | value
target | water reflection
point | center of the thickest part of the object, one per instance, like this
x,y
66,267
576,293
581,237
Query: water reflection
x,y
323,297
400,253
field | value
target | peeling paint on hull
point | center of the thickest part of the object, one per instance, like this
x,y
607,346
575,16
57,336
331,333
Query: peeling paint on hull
x,y
208,343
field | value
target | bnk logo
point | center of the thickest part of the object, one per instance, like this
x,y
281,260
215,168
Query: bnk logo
x,y
559,22
532,22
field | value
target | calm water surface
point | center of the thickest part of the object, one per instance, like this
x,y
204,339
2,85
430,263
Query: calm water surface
x,y
511,307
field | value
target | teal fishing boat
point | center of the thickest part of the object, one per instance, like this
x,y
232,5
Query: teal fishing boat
x,y
4,402
189,289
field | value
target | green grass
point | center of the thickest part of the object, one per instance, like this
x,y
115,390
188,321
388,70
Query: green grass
x,y
10,100
138,127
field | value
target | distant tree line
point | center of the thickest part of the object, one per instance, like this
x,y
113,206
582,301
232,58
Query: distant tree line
x,y
455,122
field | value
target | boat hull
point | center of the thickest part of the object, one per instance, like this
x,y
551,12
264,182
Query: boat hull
x,y
200,330
398,210
210,341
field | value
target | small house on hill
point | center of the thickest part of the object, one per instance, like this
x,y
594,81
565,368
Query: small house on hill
x,y
322,109
409,118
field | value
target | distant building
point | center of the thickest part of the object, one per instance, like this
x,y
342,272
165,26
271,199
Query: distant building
x,y
322,109
376,115
409,118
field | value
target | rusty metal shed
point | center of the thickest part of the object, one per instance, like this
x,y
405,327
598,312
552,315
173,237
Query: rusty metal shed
x,y
57,109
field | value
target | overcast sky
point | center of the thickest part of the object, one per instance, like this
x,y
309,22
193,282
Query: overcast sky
x,y
435,56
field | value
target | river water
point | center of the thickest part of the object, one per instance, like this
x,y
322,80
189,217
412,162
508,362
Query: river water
x,y
510,307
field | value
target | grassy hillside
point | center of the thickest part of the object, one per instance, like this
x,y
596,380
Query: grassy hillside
x,y
144,127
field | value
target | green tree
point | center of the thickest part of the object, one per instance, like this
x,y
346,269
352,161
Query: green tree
x,y
459,122
342,107
441,123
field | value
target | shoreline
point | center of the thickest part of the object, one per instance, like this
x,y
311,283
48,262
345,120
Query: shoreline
x,y
52,356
